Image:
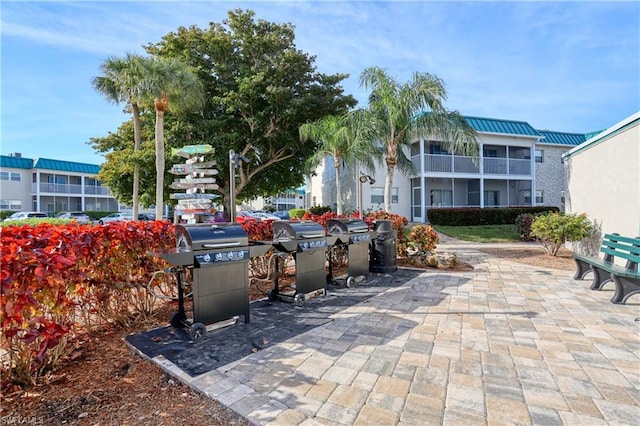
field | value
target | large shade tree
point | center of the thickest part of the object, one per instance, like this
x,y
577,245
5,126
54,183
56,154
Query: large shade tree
x,y
337,137
260,89
123,80
398,114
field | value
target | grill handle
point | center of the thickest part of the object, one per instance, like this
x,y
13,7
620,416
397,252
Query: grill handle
x,y
312,235
359,230
222,245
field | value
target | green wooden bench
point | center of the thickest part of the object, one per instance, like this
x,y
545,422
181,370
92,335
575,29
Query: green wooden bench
x,y
626,278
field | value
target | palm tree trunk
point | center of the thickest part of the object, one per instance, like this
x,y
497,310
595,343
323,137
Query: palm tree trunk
x,y
336,165
159,163
388,184
136,167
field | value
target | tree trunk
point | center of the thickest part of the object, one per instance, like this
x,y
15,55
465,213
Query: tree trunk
x,y
159,163
388,184
336,165
392,161
137,130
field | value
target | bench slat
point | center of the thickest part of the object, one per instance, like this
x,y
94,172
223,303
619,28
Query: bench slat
x,y
615,237
621,246
617,253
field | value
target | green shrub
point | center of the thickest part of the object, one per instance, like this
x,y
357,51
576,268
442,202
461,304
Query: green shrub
x,y
296,213
474,216
523,226
319,210
554,229
34,221
423,238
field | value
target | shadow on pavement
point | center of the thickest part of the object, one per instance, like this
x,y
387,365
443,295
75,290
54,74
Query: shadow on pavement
x,y
272,322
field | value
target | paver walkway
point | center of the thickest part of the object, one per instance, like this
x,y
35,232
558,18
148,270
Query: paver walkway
x,y
504,344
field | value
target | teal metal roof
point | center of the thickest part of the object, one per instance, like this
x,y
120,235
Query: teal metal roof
x,y
507,127
503,127
593,134
47,164
65,166
560,138
15,162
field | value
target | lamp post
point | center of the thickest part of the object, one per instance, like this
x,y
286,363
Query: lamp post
x,y
363,178
234,162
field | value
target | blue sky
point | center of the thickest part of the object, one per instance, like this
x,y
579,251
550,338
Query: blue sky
x,y
565,66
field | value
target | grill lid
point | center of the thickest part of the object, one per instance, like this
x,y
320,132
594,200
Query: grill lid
x,y
297,230
340,226
208,237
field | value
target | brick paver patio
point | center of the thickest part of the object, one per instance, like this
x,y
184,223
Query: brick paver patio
x,y
503,344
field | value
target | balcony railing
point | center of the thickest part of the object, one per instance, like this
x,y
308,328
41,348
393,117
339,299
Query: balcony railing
x,y
438,163
70,189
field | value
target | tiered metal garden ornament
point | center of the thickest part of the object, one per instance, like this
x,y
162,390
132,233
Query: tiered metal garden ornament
x,y
198,178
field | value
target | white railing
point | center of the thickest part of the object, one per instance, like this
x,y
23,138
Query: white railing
x,y
439,163
65,188
97,190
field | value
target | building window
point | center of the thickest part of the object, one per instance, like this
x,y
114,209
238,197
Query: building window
x,y
490,152
441,198
539,156
11,205
436,149
539,197
13,176
377,195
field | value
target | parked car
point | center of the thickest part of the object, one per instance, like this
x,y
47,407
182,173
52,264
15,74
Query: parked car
x,y
115,217
146,216
27,215
80,217
265,216
242,217
282,214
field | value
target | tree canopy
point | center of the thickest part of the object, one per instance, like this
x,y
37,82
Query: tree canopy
x,y
259,90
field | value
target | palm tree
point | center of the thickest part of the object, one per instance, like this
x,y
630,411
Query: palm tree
x,y
399,114
337,138
123,81
171,85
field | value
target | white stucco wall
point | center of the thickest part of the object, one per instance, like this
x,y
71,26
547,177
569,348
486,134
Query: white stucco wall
x,y
603,178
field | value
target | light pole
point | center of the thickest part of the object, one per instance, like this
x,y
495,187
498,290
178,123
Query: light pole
x,y
363,178
234,162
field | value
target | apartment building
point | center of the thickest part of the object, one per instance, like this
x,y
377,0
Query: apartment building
x,y
517,165
51,186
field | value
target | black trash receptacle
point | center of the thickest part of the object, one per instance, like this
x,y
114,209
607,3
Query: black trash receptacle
x,y
383,248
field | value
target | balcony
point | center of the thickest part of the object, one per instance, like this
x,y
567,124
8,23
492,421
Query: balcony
x,y
70,189
438,163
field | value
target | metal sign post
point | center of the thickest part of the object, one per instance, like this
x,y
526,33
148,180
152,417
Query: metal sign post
x,y
232,186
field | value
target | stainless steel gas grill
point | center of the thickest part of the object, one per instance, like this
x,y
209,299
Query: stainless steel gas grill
x,y
307,243
354,235
218,257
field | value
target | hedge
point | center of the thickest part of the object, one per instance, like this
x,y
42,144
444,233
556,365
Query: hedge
x,y
473,216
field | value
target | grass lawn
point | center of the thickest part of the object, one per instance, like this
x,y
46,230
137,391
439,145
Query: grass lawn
x,y
481,234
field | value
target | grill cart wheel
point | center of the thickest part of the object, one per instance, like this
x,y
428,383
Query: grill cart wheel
x,y
351,282
298,300
197,331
